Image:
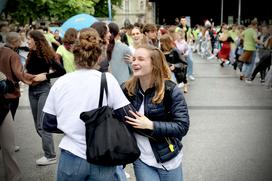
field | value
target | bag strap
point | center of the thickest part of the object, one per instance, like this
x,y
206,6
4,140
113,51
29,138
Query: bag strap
x,y
103,86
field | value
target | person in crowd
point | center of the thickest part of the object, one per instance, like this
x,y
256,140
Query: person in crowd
x,y
233,33
40,61
12,172
119,54
57,37
150,31
161,120
175,61
138,38
12,67
189,38
104,33
226,41
239,49
4,29
23,48
73,94
265,49
64,52
50,38
250,40
125,35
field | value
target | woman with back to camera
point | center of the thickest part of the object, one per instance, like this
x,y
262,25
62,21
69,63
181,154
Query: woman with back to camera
x,y
73,94
40,62
162,119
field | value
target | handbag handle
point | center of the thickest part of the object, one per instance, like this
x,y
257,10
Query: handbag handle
x,y
103,86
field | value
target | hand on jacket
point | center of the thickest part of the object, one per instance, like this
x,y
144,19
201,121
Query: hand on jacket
x,y
140,121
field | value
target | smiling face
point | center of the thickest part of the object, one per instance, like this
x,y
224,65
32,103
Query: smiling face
x,y
136,35
31,43
142,64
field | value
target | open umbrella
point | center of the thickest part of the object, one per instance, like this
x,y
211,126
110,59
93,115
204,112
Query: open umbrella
x,y
78,22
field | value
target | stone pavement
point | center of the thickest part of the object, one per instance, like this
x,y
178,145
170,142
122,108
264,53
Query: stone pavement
x,y
229,137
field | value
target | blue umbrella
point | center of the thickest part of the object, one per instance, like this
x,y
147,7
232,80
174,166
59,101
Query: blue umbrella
x,y
78,22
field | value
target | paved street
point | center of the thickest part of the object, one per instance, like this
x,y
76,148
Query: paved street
x,y
229,137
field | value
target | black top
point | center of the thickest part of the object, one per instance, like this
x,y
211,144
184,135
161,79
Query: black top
x,y
174,57
36,65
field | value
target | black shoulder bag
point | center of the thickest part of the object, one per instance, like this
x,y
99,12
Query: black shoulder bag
x,y
108,140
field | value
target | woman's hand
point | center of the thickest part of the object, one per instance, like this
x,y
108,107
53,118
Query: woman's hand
x,y
172,67
40,77
128,58
140,121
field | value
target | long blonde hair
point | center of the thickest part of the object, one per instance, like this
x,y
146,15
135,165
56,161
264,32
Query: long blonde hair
x,y
160,73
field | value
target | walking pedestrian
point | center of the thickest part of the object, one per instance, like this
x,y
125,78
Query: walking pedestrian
x,y
40,61
12,67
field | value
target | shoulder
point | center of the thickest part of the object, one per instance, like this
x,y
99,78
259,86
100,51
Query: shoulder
x,y
60,48
175,51
124,46
111,80
169,85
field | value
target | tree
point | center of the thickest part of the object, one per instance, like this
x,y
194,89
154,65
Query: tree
x,y
28,10
101,8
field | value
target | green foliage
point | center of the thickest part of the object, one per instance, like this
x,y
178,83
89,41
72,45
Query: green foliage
x,y
101,8
25,11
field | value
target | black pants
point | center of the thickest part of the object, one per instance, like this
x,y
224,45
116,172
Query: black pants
x,y
13,105
180,75
261,67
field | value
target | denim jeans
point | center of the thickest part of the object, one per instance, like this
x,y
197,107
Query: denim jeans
x,y
144,172
37,97
119,174
248,67
190,63
74,168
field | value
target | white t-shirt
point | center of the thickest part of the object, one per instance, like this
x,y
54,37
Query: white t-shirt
x,y
147,155
75,93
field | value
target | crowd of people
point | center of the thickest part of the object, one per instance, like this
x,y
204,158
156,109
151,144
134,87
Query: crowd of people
x,y
143,63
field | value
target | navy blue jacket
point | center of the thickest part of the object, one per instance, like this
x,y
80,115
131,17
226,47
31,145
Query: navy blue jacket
x,y
170,117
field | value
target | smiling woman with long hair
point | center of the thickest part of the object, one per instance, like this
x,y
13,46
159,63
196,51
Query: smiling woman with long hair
x,y
41,62
162,119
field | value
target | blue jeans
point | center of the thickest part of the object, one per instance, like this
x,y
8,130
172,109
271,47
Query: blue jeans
x,y
144,172
247,68
119,174
37,97
190,63
74,168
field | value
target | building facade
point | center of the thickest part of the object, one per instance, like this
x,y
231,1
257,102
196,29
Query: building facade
x,y
132,11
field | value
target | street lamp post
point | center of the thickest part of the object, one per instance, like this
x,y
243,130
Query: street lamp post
x,y
222,9
239,12
109,8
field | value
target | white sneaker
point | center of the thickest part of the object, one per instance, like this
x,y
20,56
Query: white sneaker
x,y
248,81
46,161
180,85
211,57
127,175
17,148
191,77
